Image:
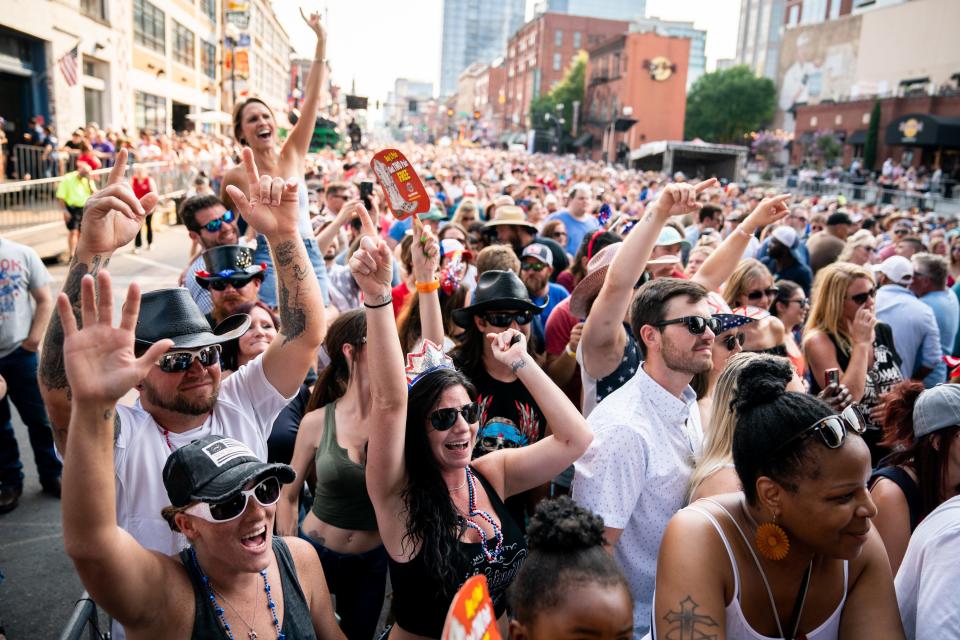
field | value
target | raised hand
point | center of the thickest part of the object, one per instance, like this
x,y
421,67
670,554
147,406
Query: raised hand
x,y
372,264
769,210
113,215
680,198
425,252
99,359
273,208
509,348
314,23
862,329
837,396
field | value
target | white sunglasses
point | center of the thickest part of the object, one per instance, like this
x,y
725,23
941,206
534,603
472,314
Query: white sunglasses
x,y
266,493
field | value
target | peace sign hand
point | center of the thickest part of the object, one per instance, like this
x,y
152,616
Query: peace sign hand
x,y
273,207
680,198
371,264
100,360
113,216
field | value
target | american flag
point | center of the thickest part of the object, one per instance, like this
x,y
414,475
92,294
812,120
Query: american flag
x,y
69,66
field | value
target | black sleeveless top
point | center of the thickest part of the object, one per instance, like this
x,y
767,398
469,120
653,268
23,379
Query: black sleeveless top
x,y
297,623
420,602
910,490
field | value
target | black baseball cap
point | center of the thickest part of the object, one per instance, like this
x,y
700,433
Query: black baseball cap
x,y
214,468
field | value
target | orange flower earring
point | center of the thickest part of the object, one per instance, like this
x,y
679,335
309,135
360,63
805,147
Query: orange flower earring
x,y
772,541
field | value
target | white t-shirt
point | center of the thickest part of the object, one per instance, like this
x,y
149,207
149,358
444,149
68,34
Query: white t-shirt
x,y
635,475
245,410
929,577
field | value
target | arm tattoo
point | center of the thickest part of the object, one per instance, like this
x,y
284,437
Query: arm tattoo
x,y
517,365
285,252
293,319
687,624
52,373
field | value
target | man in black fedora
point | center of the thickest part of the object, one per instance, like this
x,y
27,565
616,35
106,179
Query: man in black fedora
x,y
183,398
231,277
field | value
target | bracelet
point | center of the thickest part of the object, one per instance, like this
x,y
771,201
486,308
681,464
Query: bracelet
x,y
567,350
377,306
740,230
427,287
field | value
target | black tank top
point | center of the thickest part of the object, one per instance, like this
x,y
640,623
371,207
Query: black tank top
x,y
420,603
910,490
297,623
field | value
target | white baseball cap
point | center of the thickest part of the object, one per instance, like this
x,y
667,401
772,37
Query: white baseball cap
x,y
897,268
787,236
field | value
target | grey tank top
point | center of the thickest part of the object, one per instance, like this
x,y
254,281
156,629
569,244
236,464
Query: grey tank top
x,y
297,623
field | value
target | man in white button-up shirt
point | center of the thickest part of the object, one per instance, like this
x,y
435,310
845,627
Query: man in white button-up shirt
x,y
647,432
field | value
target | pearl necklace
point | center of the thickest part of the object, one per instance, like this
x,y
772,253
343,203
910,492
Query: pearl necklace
x,y
252,635
472,512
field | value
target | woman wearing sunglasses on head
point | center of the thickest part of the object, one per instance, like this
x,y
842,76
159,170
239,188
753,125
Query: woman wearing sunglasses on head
x,y
751,285
843,333
801,559
441,517
234,579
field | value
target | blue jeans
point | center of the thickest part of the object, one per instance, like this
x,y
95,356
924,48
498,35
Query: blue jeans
x,y
268,288
359,580
19,369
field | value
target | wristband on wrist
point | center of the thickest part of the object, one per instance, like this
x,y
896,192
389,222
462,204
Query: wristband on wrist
x,y
570,352
740,230
427,287
377,306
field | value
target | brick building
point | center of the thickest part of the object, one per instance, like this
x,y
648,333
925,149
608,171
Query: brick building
x,y
646,73
540,52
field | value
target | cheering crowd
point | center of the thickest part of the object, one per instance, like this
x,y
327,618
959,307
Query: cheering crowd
x,y
640,406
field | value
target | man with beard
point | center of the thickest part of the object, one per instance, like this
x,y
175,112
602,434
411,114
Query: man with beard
x,y
231,278
647,432
535,271
785,260
183,397
209,224
513,228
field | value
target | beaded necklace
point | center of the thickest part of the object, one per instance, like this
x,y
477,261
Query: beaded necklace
x,y
491,556
219,610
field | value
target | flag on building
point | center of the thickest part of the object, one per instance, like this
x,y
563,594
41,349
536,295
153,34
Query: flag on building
x,y
69,66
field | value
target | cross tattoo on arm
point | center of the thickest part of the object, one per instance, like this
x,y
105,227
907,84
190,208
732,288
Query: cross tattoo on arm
x,y
687,624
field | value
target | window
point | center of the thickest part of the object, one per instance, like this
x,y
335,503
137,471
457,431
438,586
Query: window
x,y
94,9
576,39
150,112
834,9
615,67
93,104
558,38
208,59
183,45
556,62
148,25
209,9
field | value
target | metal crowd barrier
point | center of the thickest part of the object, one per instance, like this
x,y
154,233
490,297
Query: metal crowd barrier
x,y
877,195
84,622
28,203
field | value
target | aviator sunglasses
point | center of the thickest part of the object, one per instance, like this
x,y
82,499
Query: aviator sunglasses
x,y
696,325
502,319
266,493
177,361
214,225
443,419
759,293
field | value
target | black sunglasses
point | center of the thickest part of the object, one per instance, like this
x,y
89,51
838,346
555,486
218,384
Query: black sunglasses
x,y
695,324
833,429
759,293
177,361
237,282
533,266
502,319
214,225
861,298
443,419
803,302
731,341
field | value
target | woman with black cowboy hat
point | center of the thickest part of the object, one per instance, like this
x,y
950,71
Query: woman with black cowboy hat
x,y
441,517
235,579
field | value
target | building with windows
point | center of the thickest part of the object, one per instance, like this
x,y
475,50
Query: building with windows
x,y
758,38
698,41
610,9
475,31
539,54
405,103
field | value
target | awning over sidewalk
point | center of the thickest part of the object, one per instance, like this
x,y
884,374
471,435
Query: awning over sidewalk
x,y
922,130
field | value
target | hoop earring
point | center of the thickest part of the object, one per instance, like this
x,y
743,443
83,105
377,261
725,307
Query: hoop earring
x,y
772,541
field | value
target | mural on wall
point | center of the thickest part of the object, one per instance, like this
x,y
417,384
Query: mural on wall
x,y
816,63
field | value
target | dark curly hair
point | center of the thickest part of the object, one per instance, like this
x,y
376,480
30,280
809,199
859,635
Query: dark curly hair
x,y
566,549
768,417
432,519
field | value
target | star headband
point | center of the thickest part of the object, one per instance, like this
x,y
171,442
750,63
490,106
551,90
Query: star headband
x,y
428,359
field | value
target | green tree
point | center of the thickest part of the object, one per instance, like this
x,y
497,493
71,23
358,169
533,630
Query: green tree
x,y
566,92
725,106
870,144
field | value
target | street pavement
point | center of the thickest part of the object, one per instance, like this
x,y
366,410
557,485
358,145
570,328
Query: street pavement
x,y
40,586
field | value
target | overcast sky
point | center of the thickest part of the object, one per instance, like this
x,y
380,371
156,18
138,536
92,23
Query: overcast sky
x,y
373,42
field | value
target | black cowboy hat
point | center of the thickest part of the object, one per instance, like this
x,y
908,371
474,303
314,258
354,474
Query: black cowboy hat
x,y
228,260
501,290
172,313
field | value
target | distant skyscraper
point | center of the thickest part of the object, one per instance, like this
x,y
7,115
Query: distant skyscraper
x,y
758,42
610,9
475,31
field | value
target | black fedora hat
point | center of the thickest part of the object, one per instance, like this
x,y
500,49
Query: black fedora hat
x,y
228,260
501,290
172,313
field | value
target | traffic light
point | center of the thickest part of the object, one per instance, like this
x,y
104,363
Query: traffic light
x,y
450,113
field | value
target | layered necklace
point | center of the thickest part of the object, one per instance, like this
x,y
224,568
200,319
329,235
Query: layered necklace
x,y
473,512
251,634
